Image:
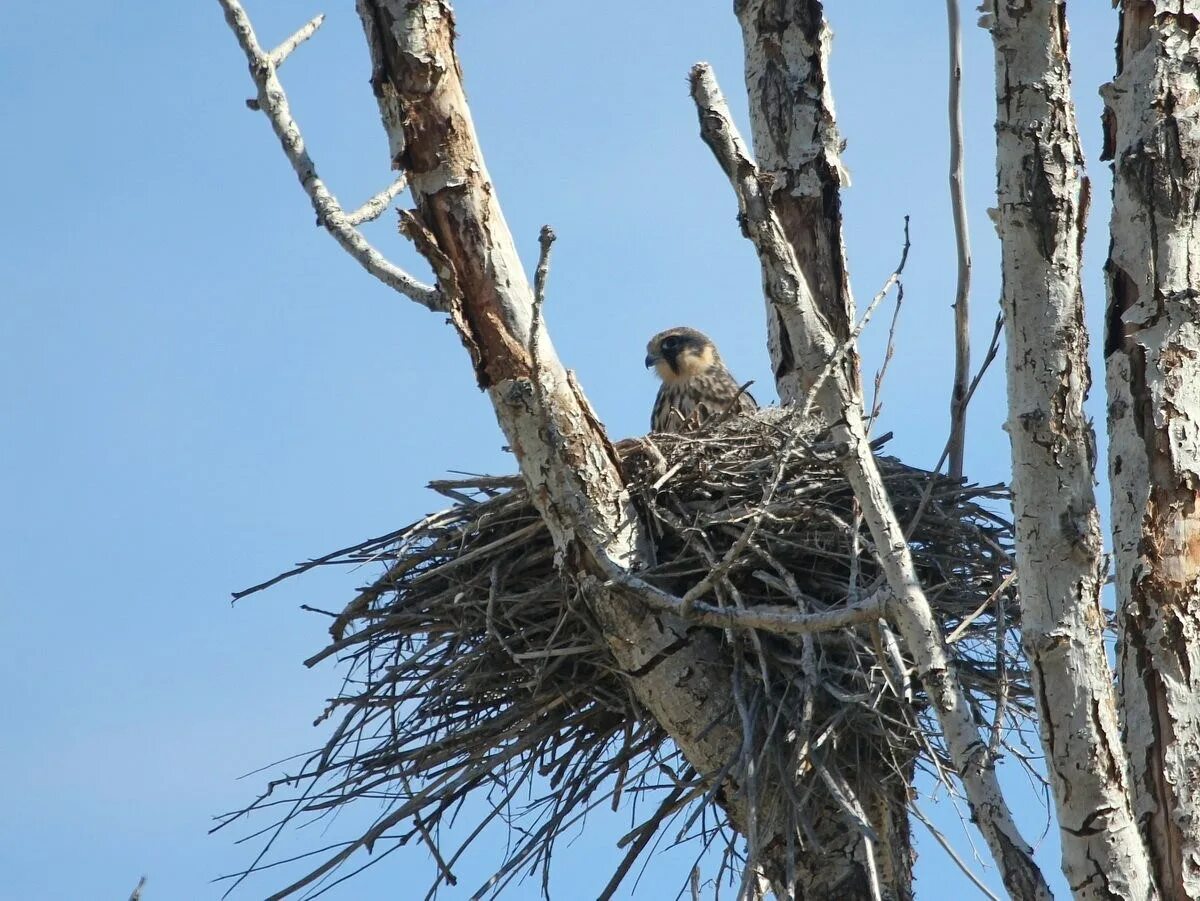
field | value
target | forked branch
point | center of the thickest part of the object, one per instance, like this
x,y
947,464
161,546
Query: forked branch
x,y
273,102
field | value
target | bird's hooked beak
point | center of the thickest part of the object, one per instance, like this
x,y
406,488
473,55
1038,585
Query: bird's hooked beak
x,y
651,360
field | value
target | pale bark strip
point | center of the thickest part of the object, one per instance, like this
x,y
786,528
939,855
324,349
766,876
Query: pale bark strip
x,y
273,101
1152,349
1042,204
678,671
962,239
812,347
797,144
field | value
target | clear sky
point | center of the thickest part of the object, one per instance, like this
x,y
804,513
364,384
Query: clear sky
x,y
202,388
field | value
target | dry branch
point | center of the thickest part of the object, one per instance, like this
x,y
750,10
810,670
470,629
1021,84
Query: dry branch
x,y
962,242
273,102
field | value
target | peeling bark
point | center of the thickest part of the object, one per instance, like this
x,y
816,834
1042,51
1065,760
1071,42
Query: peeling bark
x,y
677,670
1152,349
798,147
1042,202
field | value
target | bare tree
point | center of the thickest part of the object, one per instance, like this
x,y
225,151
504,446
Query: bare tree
x,y
1122,765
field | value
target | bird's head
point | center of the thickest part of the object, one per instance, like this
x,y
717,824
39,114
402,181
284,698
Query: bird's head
x,y
680,353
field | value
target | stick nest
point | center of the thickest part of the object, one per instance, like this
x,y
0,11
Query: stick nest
x,y
475,669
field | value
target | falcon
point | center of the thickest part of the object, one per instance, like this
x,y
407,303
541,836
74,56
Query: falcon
x,y
696,386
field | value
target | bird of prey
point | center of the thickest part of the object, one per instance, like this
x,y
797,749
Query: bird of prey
x,y
695,383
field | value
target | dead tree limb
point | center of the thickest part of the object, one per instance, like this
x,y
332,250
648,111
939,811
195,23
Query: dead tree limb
x,y
812,347
962,241
272,100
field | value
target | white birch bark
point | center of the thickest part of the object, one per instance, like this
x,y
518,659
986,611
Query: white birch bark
x,y
1152,349
818,356
1042,203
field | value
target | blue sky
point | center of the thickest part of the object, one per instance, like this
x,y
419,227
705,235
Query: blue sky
x,y
203,388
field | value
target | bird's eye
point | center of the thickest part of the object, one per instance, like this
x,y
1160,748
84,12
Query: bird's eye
x,y
669,343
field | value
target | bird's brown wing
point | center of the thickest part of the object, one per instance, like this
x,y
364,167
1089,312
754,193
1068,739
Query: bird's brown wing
x,y
685,405
672,407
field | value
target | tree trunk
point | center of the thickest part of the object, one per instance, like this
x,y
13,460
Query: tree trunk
x,y
1152,349
1042,203
796,142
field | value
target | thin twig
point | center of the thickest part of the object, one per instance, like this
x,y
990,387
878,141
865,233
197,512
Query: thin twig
x,y
303,33
888,354
981,609
892,281
988,358
993,349
373,208
958,201
948,847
